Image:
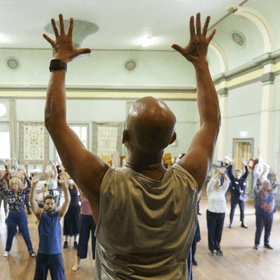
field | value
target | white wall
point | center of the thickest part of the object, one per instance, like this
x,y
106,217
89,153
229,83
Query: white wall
x,y
244,106
103,68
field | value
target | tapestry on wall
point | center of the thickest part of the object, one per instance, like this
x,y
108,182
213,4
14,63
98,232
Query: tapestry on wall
x,y
34,142
107,138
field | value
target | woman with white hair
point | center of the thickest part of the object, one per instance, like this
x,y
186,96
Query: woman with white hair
x,y
265,206
216,210
17,216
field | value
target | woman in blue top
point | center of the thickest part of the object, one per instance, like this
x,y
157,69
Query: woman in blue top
x,y
17,215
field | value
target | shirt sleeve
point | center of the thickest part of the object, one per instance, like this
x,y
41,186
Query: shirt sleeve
x,y
28,188
258,186
229,169
225,185
2,189
210,185
246,173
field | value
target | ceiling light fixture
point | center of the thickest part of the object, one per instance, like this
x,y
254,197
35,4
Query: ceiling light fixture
x,y
4,38
147,41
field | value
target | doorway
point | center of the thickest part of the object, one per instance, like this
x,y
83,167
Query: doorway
x,y
244,148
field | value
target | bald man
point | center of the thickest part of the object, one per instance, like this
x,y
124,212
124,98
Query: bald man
x,y
145,214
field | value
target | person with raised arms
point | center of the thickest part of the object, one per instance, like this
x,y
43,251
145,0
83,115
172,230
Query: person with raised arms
x,y
145,214
49,255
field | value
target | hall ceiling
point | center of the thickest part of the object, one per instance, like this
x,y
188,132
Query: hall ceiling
x,y
121,22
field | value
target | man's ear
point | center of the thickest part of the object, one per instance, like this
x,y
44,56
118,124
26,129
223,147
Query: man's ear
x,y
174,137
125,137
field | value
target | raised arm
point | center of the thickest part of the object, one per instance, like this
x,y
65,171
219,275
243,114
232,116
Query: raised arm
x,y
54,168
245,162
26,163
199,157
86,169
34,205
63,209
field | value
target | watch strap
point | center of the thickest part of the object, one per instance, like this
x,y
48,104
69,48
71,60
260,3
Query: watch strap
x,y
57,64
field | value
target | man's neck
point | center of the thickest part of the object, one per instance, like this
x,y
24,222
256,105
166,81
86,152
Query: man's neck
x,y
148,165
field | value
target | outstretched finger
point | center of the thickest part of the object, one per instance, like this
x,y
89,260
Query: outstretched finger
x,y
177,48
84,51
198,24
61,24
205,27
71,26
48,39
209,38
54,28
192,29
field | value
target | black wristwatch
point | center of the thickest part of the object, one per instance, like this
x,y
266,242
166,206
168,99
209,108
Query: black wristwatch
x,y
57,64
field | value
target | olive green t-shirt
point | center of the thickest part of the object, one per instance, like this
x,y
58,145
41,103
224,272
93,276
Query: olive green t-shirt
x,y
145,227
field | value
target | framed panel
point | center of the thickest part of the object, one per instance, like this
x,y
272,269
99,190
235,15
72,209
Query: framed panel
x,y
33,142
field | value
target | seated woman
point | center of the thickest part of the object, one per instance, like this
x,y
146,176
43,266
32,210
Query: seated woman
x,y
216,210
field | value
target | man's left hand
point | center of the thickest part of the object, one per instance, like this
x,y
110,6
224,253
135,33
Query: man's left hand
x,y
63,47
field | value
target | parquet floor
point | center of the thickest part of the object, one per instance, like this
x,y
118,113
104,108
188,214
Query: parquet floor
x,y
240,260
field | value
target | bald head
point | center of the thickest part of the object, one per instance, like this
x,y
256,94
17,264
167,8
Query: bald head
x,y
150,126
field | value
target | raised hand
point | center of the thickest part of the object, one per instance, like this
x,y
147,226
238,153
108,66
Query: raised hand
x,y
26,162
63,47
221,170
196,50
245,161
36,179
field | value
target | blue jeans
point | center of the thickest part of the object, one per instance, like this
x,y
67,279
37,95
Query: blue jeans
x,y
13,220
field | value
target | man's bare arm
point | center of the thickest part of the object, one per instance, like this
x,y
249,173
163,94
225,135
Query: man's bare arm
x,y
198,159
34,205
86,169
63,209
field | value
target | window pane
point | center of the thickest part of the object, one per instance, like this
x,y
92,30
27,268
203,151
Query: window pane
x,y
76,130
84,133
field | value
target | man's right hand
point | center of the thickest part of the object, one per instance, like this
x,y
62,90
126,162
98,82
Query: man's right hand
x,y
196,50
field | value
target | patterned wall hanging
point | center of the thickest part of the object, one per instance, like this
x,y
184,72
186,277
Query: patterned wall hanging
x,y
107,138
34,142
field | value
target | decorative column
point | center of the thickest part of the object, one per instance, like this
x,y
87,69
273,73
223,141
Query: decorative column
x,y
266,114
13,129
222,138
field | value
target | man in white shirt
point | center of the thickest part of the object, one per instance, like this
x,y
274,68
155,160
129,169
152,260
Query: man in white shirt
x,y
216,210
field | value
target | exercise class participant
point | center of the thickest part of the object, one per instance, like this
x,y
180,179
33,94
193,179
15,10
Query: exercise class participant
x,y
87,226
17,216
238,191
145,214
265,206
49,255
216,210
72,216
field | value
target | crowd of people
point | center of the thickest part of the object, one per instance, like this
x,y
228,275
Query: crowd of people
x,y
20,189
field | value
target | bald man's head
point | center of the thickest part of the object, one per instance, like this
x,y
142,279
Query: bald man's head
x,y
150,126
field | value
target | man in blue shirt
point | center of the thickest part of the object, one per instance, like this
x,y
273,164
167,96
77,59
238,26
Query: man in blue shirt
x,y
49,254
238,190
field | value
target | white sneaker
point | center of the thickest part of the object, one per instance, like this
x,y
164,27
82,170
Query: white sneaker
x,y
6,254
76,267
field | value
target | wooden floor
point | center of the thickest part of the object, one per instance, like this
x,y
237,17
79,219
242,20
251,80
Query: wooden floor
x,y
240,260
